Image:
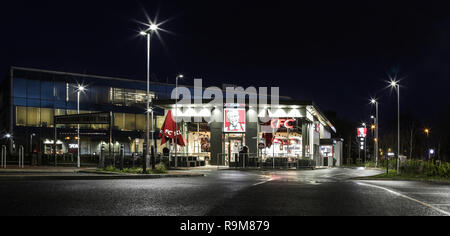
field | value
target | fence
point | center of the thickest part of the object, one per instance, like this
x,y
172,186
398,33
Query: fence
x,y
252,160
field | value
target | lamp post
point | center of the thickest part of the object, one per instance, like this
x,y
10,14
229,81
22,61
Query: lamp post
x,y
427,133
395,84
365,147
176,124
375,102
80,88
147,33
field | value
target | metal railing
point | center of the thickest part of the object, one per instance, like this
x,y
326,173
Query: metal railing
x,y
251,160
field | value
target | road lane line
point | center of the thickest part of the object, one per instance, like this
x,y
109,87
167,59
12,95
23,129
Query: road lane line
x,y
263,182
407,197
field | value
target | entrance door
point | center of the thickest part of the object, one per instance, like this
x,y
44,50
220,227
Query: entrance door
x,y
233,145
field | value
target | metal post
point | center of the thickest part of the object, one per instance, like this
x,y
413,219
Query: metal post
x,y
176,119
376,135
398,128
122,156
3,160
21,156
78,129
144,158
101,158
54,141
147,122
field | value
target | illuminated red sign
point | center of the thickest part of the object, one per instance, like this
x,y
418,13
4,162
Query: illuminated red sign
x,y
362,132
282,123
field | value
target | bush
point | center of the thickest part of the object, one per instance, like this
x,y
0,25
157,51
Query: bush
x,y
160,169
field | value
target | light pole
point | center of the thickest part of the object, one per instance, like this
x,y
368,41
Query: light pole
x,y
375,102
395,84
176,124
147,33
365,146
80,88
427,133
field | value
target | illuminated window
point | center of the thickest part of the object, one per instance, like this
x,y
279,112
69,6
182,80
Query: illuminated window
x,y
119,121
46,117
159,121
33,116
140,122
21,116
130,122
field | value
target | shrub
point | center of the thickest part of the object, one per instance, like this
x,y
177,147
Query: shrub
x,y
160,169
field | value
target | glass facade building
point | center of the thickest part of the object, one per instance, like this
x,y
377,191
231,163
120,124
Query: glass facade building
x,y
30,98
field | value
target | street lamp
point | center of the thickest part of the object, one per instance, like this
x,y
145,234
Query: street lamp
x,y
80,89
365,144
395,84
176,124
427,132
148,33
375,102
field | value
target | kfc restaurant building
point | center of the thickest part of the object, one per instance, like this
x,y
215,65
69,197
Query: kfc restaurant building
x,y
301,136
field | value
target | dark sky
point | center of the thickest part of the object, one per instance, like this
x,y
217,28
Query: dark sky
x,y
337,53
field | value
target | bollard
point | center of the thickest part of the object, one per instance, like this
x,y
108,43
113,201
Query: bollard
x,y
153,157
101,158
3,159
144,158
122,156
21,157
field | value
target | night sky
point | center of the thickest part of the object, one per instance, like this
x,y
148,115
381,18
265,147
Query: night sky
x,y
336,53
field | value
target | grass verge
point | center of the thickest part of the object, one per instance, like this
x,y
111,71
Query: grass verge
x,y
159,169
393,175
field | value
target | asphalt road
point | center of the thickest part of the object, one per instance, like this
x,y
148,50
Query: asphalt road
x,y
227,192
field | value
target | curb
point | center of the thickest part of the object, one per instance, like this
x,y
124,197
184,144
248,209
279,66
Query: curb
x,y
151,176
94,176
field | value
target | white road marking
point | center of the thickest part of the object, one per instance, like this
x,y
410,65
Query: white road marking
x,y
407,197
263,182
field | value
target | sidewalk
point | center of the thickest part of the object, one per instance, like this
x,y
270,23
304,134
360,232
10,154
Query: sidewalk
x,y
71,173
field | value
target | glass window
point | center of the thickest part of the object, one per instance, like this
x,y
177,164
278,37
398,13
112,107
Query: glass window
x,y
47,103
21,116
20,87
159,122
129,97
119,121
20,101
72,92
33,102
140,122
60,112
59,91
33,116
99,95
33,89
130,122
118,96
47,90
47,117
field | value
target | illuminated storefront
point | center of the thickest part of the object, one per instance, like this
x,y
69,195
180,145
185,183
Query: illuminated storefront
x,y
298,130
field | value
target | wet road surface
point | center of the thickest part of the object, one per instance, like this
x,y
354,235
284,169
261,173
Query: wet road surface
x,y
228,192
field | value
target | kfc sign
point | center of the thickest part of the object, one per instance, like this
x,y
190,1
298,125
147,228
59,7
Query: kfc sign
x,y
234,120
282,123
362,132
